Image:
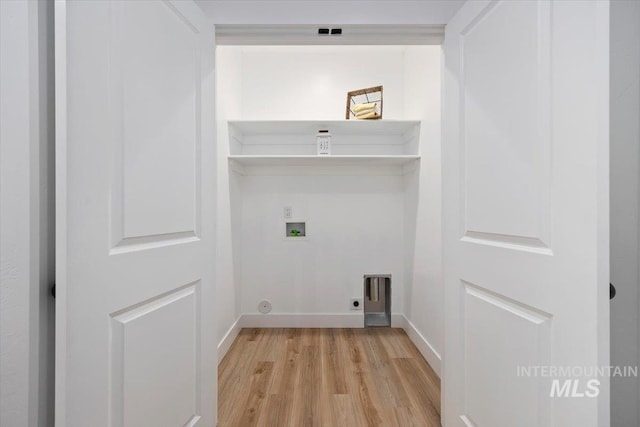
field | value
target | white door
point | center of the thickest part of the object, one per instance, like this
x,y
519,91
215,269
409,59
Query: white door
x,y
135,215
525,173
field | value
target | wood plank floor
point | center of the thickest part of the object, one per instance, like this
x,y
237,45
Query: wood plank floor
x,y
326,377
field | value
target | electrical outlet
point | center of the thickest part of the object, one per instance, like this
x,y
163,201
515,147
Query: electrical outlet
x,y
356,304
288,212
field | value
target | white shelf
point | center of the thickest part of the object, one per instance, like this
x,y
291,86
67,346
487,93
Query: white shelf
x,y
322,165
348,137
355,160
288,147
336,127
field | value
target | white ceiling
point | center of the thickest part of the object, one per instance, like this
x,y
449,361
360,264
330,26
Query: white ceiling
x,y
354,12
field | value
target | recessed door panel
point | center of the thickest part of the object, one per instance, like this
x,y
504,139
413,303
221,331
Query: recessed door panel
x,y
502,340
154,347
505,116
155,102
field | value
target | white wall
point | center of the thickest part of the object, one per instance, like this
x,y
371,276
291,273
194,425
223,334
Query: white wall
x,y
354,227
357,224
26,214
424,293
311,82
293,82
228,99
625,179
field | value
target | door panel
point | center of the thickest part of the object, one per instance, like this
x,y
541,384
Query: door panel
x,y
495,125
500,335
155,99
135,214
526,210
141,358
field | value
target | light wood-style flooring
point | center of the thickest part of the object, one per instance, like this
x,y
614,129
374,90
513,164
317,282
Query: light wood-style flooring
x,y
326,377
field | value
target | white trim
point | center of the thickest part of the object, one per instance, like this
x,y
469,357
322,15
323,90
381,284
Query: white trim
x,y
303,320
60,28
423,345
294,34
225,343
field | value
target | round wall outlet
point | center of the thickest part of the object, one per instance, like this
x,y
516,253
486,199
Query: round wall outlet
x,y
356,303
264,307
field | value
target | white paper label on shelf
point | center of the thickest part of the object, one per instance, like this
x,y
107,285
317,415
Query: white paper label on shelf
x,y
324,144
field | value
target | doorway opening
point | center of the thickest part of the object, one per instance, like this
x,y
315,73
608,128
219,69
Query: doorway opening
x,y
372,207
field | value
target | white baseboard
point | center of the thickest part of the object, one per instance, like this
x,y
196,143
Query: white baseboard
x,y
303,320
228,339
424,347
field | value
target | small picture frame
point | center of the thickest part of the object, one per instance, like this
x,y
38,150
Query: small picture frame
x,y
365,96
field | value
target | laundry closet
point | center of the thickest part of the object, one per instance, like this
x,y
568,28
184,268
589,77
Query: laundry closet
x,y
298,232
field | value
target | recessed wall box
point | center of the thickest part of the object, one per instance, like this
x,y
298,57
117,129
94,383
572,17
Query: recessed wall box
x,y
296,229
377,300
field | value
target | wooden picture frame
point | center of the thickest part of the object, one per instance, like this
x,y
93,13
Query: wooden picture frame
x,y
370,94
